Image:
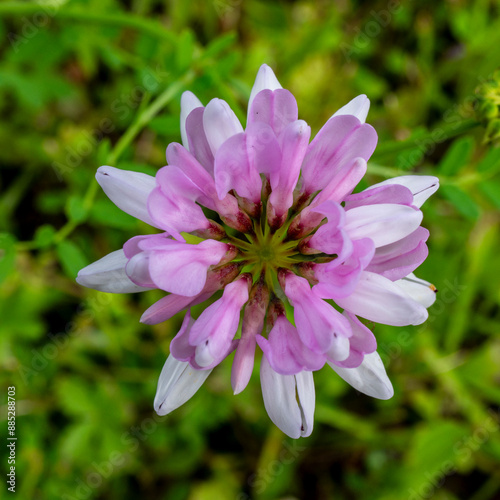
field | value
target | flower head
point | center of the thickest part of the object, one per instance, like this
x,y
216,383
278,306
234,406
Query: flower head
x,y
262,221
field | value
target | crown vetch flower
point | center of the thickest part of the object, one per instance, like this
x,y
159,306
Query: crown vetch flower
x,y
263,223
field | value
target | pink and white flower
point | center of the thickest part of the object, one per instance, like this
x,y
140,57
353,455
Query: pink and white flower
x,y
262,221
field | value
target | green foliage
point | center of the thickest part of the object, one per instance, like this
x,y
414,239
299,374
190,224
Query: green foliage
x,y
85,83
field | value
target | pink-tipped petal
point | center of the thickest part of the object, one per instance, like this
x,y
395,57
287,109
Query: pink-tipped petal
x,y
421,186
397,260
341,140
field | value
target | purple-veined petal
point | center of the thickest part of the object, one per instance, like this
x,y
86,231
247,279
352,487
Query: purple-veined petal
x,y
265,79
276,108
108,275
378,299
233,170
294,418
285,351
172,205
294,143
359,107
342,139
177,384
220,123
197,140
180,268
370,377
421,186
397,260
389,193
384,223
318,323
128,190
336,281
253,323
197,174
213,332
188,102
420,290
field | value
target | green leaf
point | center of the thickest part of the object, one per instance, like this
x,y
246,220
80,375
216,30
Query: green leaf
x,y
44,235
491,189
491,161
71,257
7,255
457,156
75,210
464,204
433,451
105,213
219,44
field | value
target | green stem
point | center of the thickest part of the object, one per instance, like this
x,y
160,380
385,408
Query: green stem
x,y
445,132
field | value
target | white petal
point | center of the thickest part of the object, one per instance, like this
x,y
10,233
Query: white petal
x,y
359,107
380,300
188,102
177,384
307,401
369,377
384,223
421,186
266,79
220,123
278,392
108,275
420,290
128,190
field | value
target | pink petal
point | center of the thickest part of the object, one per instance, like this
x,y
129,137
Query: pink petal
x,y
197,140
337,144
421,186
238,162
214,330
317,322
180,268
397,260
276,108
180,157
390,193
172,205
294,143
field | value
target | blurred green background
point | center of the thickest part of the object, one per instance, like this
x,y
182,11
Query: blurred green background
x,y
90,82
